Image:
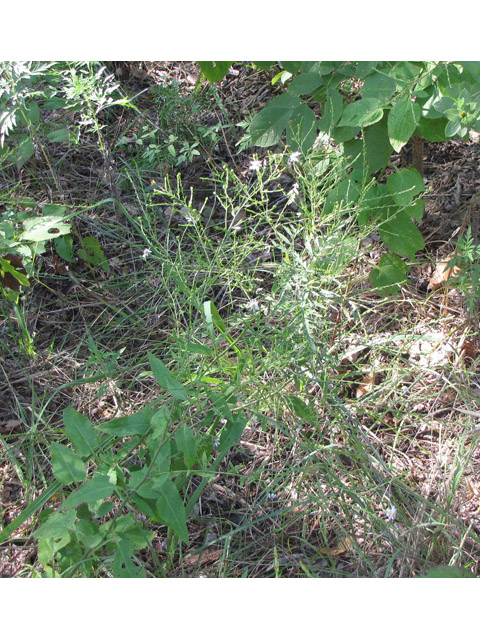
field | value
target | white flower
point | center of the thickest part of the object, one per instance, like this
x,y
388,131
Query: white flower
x,y
294,158
252,305
293,193
272,496
255,165
391,513
146,253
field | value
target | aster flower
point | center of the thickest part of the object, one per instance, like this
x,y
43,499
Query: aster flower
x,y
294,158
252,305
255,165
146,253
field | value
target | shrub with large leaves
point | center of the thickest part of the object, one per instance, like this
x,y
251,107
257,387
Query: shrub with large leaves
x,y
371,110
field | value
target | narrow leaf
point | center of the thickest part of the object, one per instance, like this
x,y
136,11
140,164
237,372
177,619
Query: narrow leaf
x,y
185,441
172,510
166,379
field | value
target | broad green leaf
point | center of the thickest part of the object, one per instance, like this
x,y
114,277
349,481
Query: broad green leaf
x,y
404,185
364,68
58,210
98,488
377,146
60,135
185,441
401,235
448,572
80,431
68,467
160,420
146,487
92,253
332,111
362,113
268,126
33,112
64,247
58,525
402,121
453,129
341,196
388,274
55,103
379,86
415,209
43,228
215,71
302,129
127,527
376,203
135,424
166,379
122,565
26,150
48,547
342,134
432,129
305,83
172,510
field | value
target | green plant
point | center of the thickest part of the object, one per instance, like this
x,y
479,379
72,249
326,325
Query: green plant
x,y
371,110
141,463
465,264
24,236
175,134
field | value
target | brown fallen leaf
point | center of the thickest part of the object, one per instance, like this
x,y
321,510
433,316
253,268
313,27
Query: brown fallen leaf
x,y
344,546
443,273
367,384
203,557
10,426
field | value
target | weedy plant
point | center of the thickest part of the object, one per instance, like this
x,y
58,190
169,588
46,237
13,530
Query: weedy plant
x,y
371,110
465,264
284,407
141,463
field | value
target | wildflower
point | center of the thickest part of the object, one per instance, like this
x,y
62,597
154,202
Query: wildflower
x,y
272,496
294,158
146,253
252,305
391,513
293,193
255,165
